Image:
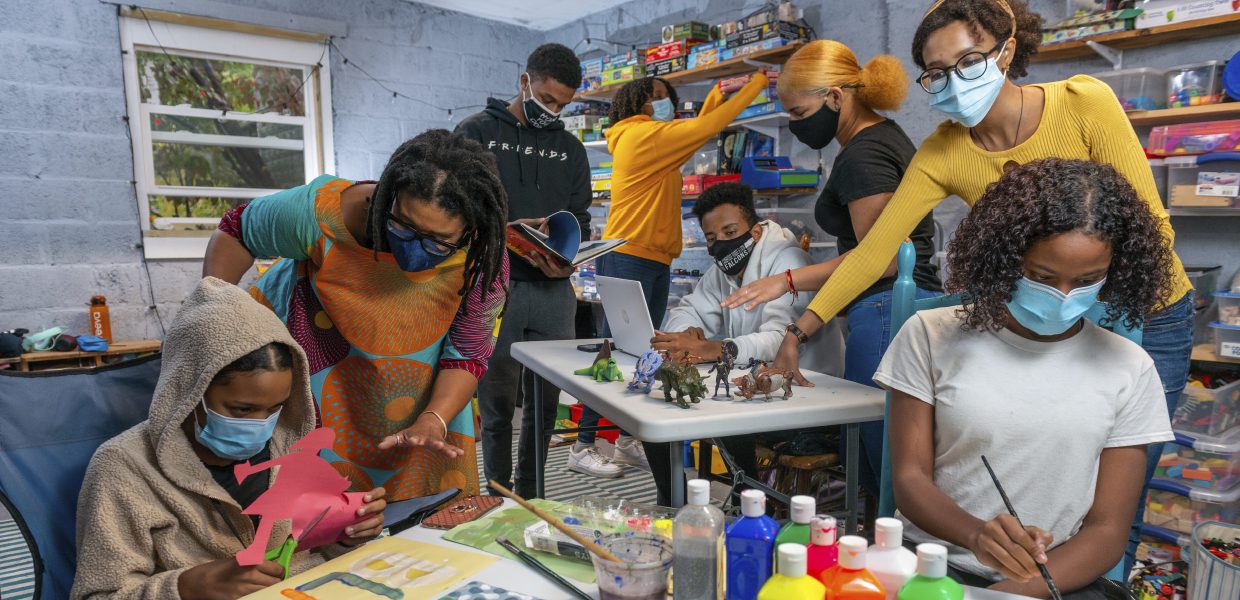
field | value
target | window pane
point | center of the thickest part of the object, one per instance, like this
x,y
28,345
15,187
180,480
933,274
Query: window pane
x,y
220,84
224,166
160,122
170,214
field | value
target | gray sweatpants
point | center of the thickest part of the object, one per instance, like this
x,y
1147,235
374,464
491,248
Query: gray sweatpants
x,y
537,310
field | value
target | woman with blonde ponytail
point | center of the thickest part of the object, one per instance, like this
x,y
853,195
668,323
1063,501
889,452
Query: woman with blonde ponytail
x,y
829,95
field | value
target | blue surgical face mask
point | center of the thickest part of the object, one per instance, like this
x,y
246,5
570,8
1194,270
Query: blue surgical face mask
x,y
664,110
1047,311
234,438
411,255
967,101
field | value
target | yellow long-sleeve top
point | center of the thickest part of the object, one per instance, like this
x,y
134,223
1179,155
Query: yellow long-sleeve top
x,y
645,173
1081,120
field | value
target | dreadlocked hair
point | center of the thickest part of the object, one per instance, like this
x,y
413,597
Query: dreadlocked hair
x,y
1049,197
635,94
459,176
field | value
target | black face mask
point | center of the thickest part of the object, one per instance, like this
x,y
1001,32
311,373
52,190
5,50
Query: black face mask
x,y
537,114
818,129
732,255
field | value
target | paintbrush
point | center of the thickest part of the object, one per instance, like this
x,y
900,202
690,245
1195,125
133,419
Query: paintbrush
x,y
1046,575
556,523
535,564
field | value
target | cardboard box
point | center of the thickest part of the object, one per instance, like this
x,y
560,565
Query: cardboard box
x,y
593,66
580,122
757,110
691,185
663,67
1166,12
728,85
691,30
670,50
624,59
761,46
622,75
788,31
1090,25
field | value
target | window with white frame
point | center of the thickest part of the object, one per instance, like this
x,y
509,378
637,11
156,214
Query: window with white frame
x,y
219,117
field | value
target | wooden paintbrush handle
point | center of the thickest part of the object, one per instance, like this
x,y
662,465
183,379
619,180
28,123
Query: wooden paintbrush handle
x,y
554,522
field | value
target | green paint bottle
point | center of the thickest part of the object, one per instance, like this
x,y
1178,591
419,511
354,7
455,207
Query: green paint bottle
x,y
931,581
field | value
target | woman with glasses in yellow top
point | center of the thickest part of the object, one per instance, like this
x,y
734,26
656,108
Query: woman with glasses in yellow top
x,y
970,52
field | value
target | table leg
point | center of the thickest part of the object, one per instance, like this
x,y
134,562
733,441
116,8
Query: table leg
x,y
678,474
540,441
852,472
704,459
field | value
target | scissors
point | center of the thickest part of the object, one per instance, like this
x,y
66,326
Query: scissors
x,y
283,554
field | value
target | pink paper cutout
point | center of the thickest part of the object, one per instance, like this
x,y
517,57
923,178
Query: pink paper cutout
x,y
305,486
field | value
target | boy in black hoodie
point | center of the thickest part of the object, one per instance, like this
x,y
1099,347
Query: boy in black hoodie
x,y
544,170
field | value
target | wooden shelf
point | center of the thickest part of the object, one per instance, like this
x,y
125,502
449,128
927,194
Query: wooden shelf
x,y
1203,211
1142,38
88,359
727,68
1205,353
1185,114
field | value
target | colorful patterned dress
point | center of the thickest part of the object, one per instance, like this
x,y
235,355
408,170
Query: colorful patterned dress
x,y
375,335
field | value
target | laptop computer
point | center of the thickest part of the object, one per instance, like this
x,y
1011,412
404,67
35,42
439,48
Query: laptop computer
x,y
624,304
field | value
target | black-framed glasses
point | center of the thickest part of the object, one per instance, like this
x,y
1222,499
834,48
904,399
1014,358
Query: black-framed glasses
x,y
405,231
969,67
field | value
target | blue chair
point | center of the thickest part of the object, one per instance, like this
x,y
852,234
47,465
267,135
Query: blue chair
x,y
903,304
51,423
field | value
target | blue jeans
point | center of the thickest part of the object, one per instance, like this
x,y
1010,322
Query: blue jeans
x,y
1168,339
869,334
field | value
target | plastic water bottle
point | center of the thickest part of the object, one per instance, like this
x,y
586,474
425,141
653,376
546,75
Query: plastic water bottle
x,y
931,581
697,547
750,543
850,580
792,583
822,551
888,560
796,531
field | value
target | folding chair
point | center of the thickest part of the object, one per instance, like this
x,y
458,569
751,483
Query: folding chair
x,y
51,423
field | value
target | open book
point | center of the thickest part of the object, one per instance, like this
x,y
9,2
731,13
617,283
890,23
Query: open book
x,y
561,245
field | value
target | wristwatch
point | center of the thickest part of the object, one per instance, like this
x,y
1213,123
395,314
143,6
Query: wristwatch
x,y
731,348
794,330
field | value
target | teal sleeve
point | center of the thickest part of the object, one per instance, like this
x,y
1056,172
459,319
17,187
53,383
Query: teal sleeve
x,y
283,225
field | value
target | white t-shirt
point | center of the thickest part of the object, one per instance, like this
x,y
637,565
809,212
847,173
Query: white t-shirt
x,y
1041,412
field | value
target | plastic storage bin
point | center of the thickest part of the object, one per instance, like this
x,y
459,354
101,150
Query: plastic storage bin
x,y
1226,343
1195,84
1211,577
1206,462
1158,167
1203,411
1208,180
1137,89
1228,308
1205,281
1178,508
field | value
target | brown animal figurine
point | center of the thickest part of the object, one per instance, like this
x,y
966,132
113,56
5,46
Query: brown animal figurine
x,y
765,381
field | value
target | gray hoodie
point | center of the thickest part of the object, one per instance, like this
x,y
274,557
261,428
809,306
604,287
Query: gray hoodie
x,y
149,509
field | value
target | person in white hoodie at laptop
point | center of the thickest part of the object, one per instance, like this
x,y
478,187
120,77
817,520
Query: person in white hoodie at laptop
x,y
744,249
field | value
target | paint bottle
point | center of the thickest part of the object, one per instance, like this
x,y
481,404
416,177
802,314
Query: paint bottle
x,y
750,543
931,581
791,582
697,547
823,553
796,530
100,323
888,560
850,580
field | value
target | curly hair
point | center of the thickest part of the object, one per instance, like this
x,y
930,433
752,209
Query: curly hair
x,y
556,61
991,16
1048,197
630,99
737,194
459,176
823,64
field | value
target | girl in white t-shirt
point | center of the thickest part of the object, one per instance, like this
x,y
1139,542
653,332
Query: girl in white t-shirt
x,y
1062,408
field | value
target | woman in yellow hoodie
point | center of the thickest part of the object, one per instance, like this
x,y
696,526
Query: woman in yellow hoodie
x,y
648,147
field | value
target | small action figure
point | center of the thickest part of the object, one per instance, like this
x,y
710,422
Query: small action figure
x,y
680,377
604,367
722,368
754,365
764,382
643,376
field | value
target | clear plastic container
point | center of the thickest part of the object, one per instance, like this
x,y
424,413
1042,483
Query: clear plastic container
x,y
1137,89
1203,411
1208,180
1178,507
1228,308
1227,344
1204,280
1158,167
1195,84
1207,462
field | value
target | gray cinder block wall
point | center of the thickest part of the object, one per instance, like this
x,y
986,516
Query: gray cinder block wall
x,y
69,219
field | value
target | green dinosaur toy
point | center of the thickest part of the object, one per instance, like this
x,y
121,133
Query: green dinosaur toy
x,y
604,367
681,378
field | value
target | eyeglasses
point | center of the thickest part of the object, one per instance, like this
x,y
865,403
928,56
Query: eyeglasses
x,y
969,67
405,231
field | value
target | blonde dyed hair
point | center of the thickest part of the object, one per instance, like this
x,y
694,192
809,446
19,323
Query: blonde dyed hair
x,y
821,65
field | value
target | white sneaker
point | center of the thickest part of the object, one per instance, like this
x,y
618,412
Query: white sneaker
x,y
590,462
629,451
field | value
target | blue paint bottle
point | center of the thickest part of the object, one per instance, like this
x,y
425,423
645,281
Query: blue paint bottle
x,y
750,543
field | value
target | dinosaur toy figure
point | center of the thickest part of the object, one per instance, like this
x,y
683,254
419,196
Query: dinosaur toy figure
x,y
722,368
765,381
681,378
604,367
644,375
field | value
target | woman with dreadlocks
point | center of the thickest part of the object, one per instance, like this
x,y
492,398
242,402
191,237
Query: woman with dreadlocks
x,y
393,289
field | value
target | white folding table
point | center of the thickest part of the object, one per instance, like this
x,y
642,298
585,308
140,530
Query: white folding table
x,y
832,401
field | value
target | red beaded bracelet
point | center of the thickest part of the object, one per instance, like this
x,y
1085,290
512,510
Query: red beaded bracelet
x,y
791,288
